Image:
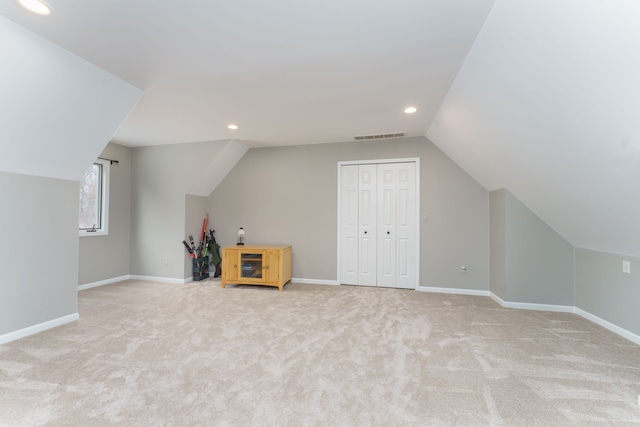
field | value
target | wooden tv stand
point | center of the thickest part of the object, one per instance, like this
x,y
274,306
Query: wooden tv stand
x,y
256,265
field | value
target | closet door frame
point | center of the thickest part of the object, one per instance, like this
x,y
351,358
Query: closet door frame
x,y
415,160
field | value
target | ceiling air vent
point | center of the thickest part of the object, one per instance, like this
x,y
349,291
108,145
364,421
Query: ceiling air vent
x,y
379,136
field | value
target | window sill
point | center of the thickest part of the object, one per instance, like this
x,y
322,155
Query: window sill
x,y
93,233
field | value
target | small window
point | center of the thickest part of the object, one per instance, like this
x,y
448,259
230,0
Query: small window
x,y
94,200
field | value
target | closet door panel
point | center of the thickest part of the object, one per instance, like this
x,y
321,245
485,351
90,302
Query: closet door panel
x,y
367,207
387,177
349,224
406,227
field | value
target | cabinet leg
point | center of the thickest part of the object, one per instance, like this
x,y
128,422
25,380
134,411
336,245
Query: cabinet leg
x,y
223,284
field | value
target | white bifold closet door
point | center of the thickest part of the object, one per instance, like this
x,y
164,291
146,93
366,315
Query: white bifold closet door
x,y
378,225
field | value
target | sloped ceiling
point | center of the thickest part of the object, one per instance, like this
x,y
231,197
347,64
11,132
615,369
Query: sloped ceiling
x,y
225,159
547,105
57,111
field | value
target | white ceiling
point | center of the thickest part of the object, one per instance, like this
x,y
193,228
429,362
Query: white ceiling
x,y
541,98
285,71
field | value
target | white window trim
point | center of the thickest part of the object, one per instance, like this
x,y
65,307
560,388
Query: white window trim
x,y
104,230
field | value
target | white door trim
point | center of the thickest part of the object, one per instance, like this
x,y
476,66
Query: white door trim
x,y
418,220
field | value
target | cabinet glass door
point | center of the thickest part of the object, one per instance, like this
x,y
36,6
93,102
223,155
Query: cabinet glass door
x,y
251,265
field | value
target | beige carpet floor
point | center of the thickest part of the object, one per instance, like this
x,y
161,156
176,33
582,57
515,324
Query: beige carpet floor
x,y
155,354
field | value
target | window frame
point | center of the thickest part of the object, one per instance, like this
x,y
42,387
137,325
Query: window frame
x,y
103,230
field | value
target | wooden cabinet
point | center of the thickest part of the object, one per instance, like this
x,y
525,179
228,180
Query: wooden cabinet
x,y
256,265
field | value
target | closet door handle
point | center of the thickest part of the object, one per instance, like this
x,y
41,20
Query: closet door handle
x,y
388,232
365,232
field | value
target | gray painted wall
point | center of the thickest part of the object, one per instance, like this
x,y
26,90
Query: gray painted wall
x,y
38,250
52,125
497,242
537,261
107,257
603,290
160,178
289,195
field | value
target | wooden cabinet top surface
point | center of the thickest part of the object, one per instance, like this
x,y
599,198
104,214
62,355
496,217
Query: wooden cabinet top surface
x,y
258,247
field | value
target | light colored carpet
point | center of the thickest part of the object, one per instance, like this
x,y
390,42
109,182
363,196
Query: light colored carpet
x,y
154,354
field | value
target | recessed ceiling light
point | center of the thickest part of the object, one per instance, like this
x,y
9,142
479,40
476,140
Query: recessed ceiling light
x,y
233,127
36,6
410,110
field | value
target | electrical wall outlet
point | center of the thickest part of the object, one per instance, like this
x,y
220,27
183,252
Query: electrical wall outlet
x,y
166,261
463,269
626,267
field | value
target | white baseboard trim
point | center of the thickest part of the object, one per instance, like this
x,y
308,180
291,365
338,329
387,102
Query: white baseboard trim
x,y
608,325
314,281
103,282
539,307
31,330
530,306
158,279
456,291
134,277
